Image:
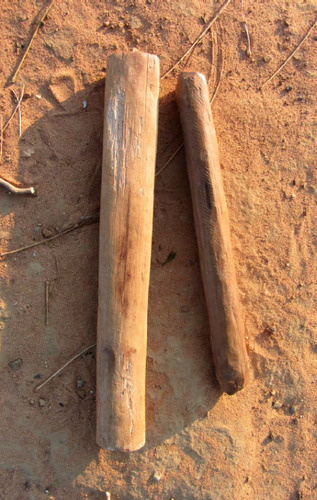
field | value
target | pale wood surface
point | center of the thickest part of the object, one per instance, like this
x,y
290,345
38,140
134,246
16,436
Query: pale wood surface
x,y
126,216
213,233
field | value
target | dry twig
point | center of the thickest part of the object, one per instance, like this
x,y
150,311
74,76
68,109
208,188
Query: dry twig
x,y
169,160
16,190
15,110
291,55
218,80
249,53
47,287
38,26
19,100
38,387
200,37
91,220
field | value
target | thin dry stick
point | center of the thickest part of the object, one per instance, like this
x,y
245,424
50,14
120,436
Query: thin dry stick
x,y
214,51
38,26
159,154
249,53
38,387
219,80
47,287
1,136
291,55
13,112
202,34
169,160
19,100
16,190
73,228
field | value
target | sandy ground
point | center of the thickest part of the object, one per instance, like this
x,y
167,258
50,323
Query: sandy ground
x,y
201,444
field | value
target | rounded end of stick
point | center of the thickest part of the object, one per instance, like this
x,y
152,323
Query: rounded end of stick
x,y
233,377
189,82
194,76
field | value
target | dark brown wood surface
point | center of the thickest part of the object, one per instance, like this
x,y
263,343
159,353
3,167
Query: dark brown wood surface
x,y
213,233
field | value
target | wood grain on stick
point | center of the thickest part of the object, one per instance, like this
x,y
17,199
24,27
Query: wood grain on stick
x,y
213,233
126,216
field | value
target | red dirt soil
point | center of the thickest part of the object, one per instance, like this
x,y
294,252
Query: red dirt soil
x,y
201,444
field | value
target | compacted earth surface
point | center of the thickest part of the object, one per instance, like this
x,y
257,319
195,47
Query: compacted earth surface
x,y
201,444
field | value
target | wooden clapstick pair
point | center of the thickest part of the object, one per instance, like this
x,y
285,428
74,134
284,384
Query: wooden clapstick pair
x,y
126,216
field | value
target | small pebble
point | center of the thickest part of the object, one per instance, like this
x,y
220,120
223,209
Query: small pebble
x,y
157,476
84,104
270,329
61,405
38,96
292,410
47,233
37,376
267,59
289,88
300,98
273,392
36,229
293,196
277,405
79,383
32,402
16,364
42,402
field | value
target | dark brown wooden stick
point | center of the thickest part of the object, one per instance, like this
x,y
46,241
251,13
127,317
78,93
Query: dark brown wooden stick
x,y
126,216
213,233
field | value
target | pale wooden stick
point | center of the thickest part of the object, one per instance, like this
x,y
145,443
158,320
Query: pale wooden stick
x,y
125,242
291,55
38,26
202,34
